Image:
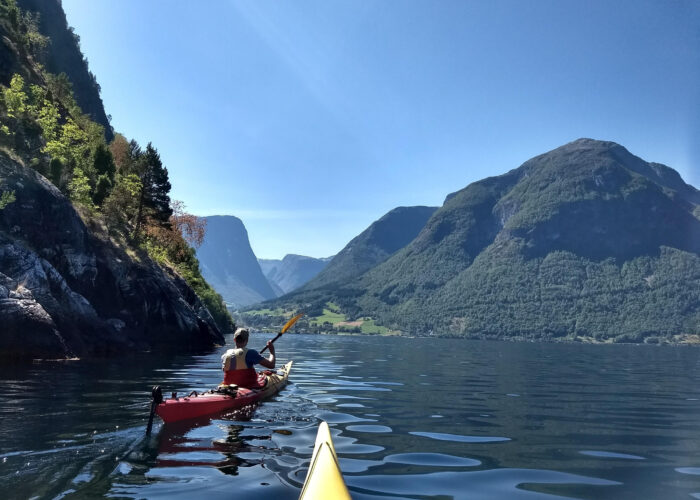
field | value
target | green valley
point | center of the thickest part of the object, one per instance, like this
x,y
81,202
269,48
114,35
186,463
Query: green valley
x,y
331,320
585,242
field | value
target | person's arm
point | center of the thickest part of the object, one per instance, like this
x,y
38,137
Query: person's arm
x,y
270,361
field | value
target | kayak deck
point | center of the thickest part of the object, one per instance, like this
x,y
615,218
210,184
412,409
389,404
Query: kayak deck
x,y
189,407
324,478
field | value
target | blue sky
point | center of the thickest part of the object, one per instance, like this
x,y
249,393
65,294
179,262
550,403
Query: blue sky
x,y
310,119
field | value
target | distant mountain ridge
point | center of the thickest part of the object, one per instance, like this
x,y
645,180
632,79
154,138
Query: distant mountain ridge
x,y
229,264
382,238
292,271
586,241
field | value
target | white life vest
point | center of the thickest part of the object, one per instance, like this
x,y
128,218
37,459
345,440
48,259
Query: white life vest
x,y
234,359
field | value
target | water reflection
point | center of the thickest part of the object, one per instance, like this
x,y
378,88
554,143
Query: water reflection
x,y
494,420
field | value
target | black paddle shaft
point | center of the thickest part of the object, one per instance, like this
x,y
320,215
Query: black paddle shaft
x,y
156,399
273,341
286,327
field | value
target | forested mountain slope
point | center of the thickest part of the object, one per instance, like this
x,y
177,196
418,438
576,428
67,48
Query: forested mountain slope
x,y
585,241
62,55
95,258
382,238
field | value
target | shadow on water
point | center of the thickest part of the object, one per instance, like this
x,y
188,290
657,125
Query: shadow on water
x,y
490,420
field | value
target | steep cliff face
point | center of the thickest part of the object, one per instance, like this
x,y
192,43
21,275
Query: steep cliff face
x,y
229,264
63,55
68,290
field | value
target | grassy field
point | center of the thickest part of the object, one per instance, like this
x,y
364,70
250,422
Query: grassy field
x,y
270,312
331,314
331,321
369,326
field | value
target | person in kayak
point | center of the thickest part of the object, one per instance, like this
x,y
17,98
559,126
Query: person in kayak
x,y
238,364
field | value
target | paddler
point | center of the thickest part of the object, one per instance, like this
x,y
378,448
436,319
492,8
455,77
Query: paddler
x,y
238,364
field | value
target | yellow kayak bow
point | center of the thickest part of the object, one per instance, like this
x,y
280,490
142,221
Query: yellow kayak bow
x,y
324,479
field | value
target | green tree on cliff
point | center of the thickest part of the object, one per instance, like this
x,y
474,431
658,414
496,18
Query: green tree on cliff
x,y
6,198
105,169
154,199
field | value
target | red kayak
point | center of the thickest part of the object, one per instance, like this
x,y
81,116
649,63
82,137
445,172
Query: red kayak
x,y
199,405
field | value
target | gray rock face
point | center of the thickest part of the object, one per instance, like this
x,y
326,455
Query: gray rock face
x,y
67,291
229,264
292,271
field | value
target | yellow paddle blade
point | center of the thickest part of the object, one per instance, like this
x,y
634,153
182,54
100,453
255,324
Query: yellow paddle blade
x,y
289,323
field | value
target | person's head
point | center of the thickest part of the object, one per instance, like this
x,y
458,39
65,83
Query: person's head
x,y
241,337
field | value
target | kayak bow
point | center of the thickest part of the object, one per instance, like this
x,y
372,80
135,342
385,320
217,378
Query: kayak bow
x,y
324,479
199,405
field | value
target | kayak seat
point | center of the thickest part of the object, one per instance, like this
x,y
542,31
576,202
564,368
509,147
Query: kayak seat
x,y
262,380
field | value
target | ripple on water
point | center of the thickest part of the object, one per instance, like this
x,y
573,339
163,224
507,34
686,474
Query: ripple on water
x,y
124,468
204,432
457,438
695,471
330,398
199,457
355,465
610,454
431,459
494,483
341,418
322,400
349,445
369,428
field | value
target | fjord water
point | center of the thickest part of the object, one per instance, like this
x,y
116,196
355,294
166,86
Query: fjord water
x,y
411,418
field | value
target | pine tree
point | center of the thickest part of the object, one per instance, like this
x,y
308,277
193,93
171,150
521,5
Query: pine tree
x,y
157,186
154,199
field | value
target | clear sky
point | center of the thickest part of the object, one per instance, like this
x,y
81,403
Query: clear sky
x,y
310,119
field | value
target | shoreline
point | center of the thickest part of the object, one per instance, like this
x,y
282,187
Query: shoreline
x,y
685,339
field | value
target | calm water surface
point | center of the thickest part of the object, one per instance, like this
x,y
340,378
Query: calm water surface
x,y
411,418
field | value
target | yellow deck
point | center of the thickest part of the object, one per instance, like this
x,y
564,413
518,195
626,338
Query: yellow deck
x,y
324,479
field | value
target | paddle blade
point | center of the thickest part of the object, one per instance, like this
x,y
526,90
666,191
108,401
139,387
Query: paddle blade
x,y
289,323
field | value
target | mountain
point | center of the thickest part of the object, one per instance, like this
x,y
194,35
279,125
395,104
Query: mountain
x,y
63,55
89,266
67,290
375,244
291,272
586,241
267,266
229,264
